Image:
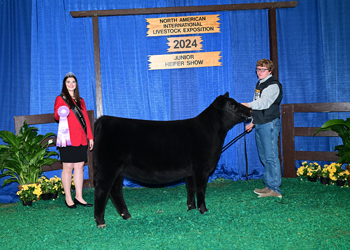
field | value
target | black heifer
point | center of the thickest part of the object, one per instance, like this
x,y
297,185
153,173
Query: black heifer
x,y
158,152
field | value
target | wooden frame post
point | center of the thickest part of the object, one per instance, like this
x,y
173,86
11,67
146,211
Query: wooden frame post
x,y
273,41
96,35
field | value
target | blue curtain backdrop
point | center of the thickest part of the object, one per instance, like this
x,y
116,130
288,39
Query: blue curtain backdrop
x,y
41,42
15,34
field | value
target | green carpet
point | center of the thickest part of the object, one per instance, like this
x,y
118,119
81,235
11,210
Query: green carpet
x,y
309,216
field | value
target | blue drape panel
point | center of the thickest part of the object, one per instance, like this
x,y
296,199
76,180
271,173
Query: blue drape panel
x,y
314,62
15,67
41,42
15,33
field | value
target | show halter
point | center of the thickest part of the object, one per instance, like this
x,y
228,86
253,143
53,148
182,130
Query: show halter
x,y
233,141
245,148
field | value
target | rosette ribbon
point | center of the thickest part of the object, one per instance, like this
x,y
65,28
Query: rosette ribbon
x,y
63,136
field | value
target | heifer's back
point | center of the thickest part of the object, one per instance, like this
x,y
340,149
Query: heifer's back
x,y
157,151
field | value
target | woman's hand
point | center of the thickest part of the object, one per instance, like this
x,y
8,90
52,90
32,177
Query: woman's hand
x,y
91,144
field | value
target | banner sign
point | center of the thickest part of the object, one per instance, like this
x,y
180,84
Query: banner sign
x,y
184,25
185,60
187,43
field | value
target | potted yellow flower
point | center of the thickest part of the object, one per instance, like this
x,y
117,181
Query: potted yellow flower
x,y
342,128
51,187
337,174
302,170
57,187
46,187
29,193
324,174
309,170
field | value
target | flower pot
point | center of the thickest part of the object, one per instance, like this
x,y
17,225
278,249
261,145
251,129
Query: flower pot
x,y
312,179
324,180
46,196
27,203
340,183
54,196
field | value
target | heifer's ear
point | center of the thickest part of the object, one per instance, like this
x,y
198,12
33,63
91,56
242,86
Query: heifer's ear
x,y
226,95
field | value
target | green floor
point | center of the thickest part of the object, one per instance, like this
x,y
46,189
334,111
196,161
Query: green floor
x,y
310,216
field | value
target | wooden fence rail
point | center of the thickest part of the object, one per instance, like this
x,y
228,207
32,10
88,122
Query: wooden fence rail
x,y
289,132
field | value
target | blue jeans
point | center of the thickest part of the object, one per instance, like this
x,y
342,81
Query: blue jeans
x,y
266,136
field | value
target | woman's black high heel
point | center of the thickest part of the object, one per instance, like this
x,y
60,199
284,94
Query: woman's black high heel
x,y
76,202
72,206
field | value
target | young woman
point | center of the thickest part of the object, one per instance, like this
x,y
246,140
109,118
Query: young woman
x,y
74,156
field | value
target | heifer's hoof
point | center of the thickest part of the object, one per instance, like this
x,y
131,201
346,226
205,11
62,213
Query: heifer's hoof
x,y
125,216
191,207
101,226
203,210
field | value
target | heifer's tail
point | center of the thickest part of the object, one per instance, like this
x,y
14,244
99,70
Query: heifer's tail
x,y
97,130
97,126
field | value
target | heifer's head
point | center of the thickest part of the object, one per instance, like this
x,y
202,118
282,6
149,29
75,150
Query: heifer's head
x,y
232,111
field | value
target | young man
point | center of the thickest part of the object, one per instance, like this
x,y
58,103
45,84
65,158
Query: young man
x,y
266,120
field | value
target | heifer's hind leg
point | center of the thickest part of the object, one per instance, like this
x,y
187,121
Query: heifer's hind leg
x,y
118,199
191,203
101,198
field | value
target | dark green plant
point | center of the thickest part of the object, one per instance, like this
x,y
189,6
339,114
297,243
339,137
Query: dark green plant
x,y
22,159
342,127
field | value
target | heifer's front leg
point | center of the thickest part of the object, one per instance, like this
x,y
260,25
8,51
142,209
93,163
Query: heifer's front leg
x,y
118,199
201,185
191,203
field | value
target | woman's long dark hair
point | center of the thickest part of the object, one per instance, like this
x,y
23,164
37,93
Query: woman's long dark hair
x,y
76,91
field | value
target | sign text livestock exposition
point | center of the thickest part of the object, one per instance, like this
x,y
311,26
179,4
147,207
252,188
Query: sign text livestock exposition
x,y
184,25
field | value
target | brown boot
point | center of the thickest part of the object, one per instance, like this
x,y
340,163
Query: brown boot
x,y
270,193
261,191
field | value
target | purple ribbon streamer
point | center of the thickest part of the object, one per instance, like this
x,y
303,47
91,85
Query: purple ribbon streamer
x,y
63,136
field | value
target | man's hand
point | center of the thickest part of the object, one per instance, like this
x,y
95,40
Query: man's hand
x,y
249,127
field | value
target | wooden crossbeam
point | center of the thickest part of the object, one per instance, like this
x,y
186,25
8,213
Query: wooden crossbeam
x,y
185,9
